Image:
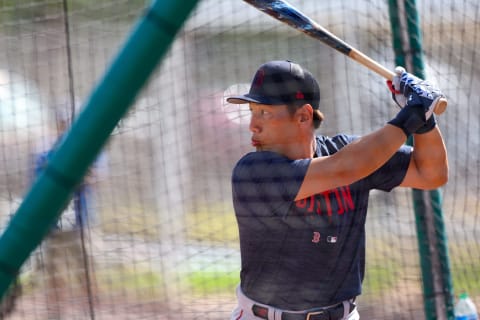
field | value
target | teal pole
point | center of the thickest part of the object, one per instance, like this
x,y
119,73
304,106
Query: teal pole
x,y
426,264
431,235
108,103
439,236
418,202
395,27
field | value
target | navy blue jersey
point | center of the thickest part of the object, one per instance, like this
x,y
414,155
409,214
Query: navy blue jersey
x,y
302,254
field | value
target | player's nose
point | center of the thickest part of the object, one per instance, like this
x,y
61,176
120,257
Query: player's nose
x,y
255,125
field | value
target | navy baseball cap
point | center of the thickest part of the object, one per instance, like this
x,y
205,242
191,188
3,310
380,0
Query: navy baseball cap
x,y
281,82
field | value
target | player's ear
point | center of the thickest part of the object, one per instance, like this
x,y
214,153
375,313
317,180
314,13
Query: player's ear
x,y
305,113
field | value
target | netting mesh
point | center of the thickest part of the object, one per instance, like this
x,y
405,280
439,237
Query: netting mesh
x,y
161,240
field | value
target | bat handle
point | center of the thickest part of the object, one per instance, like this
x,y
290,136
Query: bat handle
x,y
388,74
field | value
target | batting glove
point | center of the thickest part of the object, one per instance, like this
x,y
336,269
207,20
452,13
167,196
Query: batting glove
x,y
428,126
394,86
409,90
410,119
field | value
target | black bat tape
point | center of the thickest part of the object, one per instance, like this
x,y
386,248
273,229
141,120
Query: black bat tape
x,y
285,12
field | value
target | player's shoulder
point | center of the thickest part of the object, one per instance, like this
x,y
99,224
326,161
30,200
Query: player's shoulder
x,y
271,167
328,145
340,138
262,163
260,157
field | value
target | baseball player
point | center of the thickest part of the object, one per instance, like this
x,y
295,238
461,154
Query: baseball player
x,y
62,250
301,199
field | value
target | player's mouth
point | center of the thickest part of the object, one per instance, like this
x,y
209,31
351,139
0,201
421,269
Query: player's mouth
x,y
256,143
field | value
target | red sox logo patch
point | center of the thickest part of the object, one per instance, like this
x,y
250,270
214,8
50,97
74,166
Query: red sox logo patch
x,y
316,237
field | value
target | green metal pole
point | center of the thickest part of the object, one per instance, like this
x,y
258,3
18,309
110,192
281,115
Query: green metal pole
x,y
443,254
439,241
418,203
110,100
395,27
431,236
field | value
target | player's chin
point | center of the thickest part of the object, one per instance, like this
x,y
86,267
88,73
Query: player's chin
x,y
258,146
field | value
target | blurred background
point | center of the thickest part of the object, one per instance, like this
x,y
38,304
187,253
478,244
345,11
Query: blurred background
x,y
161,241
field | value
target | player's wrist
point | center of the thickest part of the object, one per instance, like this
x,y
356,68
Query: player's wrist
x,y
428,126
410,119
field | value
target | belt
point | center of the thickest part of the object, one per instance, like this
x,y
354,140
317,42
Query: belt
x,y
335,312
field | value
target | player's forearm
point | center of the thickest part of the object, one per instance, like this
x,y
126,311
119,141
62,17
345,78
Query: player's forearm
x,y
430,158
370,152
355,161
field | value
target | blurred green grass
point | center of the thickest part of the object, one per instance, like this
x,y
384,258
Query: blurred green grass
x,y
204,283
213,224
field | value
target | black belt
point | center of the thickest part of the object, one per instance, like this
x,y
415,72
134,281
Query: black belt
x,y
330,313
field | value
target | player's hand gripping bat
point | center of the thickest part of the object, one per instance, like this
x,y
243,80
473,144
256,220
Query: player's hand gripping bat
x,y
286,13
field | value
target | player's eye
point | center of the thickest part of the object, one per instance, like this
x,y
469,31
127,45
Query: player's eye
x,y
260,113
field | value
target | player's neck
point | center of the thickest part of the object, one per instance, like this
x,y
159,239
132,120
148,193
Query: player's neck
x,y
301,150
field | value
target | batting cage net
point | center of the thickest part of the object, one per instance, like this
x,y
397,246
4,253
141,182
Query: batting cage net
x,y
152,232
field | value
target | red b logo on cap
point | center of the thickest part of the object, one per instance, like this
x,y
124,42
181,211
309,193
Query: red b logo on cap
x,y
299,95
259,77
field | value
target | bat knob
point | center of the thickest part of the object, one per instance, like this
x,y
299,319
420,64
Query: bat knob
x,y
440,106
399,70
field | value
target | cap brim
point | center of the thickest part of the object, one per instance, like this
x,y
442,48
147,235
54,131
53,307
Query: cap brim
x,y
247,98
241,99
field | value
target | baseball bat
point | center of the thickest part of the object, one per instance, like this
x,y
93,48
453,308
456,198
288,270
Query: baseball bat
x,y
288,14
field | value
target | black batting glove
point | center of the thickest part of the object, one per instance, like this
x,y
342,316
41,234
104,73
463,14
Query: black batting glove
x,y
428,126
410,90
410,119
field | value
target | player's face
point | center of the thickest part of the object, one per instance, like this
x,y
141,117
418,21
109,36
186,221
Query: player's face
x,y
273,128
